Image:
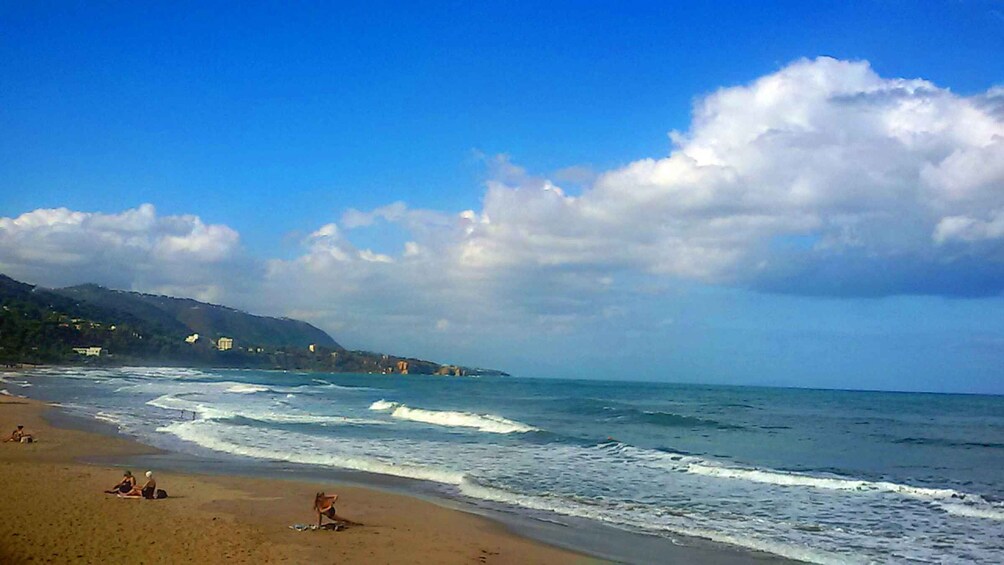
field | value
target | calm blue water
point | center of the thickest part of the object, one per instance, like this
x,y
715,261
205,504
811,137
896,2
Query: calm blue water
x,y
823,476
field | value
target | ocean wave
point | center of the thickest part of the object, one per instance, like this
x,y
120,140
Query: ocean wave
x,y
247,388
210,435
482,422
327,384
979,509
382,405
784,478
669,419
628,516
109,418
942,442
950,500
216,412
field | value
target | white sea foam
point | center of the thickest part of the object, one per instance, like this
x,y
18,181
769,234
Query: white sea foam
x,y
483,422
980,509
247,388
782,478
110,418
629,516
288,447
951,501
219,412
5,392
383,405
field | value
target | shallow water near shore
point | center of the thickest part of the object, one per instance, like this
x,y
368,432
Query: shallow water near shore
x,y
821,476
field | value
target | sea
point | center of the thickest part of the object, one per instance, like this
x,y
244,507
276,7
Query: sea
x,y
821,476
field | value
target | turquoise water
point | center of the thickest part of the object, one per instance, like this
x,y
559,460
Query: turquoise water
x,y
823,476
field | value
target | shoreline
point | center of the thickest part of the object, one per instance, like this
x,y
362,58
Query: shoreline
x,y
54,509
562,539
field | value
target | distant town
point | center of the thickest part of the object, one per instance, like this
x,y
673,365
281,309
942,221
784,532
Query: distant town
x,y
93,325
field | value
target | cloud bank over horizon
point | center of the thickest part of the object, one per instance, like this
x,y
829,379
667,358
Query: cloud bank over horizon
x,y
820,179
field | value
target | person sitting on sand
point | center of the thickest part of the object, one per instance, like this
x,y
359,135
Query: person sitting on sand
x,y
128,483
149,490
19,436
324,504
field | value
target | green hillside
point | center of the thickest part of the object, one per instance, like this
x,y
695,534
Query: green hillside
x,y
40,325
183,316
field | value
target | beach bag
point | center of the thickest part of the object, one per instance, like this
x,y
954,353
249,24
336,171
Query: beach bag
x,y
161,493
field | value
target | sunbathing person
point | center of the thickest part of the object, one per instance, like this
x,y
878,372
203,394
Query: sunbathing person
x,y
19,436
148,490
128,483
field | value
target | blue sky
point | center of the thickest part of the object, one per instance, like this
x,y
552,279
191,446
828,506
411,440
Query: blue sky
x,y
267,124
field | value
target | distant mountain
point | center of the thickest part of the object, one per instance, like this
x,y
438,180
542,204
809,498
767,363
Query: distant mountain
x,y
184,316
93,325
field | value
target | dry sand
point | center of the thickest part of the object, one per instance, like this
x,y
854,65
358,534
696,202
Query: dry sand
x,y
52,510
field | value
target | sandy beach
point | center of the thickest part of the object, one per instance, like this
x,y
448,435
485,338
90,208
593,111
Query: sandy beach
x,y
54,511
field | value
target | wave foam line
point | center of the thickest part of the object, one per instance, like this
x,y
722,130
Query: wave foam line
x,y
201,432
247,388
326,384
110,418
563,506
168,402
482,422
950,500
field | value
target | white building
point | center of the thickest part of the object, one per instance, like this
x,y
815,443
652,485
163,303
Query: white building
x,y
88,351
192,338
225,343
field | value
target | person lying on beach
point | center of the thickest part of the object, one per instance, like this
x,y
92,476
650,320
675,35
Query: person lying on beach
x,y
19,436
148,490
128,483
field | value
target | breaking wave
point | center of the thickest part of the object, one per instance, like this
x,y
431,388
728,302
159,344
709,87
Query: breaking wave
x,y
483,422
262,444
247,389
207,412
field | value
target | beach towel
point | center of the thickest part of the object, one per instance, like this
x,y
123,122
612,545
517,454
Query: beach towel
x,y
313,527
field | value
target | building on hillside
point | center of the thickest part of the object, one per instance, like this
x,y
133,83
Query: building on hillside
x,y
312,347
88,351
450,370
402,367
192,338
225,343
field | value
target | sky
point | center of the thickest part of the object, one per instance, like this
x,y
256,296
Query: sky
x,y
777,193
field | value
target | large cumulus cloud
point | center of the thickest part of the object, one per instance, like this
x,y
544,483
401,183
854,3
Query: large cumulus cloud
x,y
822,178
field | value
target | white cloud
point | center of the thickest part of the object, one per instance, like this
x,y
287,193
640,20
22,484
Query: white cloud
x,y
962,228
823,151
822,177
131,249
